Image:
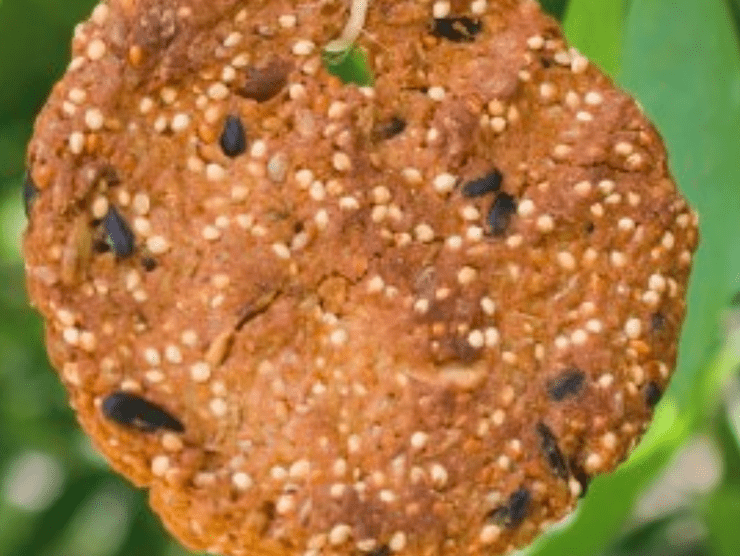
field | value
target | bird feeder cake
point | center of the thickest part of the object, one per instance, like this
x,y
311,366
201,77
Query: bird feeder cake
x,y
314,318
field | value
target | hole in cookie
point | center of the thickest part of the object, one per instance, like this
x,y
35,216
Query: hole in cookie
x,y
456,29
264,83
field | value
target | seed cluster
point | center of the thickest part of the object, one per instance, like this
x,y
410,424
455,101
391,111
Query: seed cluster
x,y
378,320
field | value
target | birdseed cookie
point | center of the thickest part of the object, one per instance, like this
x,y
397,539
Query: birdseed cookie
x,y
319,319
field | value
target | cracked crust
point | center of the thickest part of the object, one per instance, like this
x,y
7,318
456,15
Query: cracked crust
x,y
364,357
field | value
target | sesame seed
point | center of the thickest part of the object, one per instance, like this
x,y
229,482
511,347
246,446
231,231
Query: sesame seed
x,y
594,462
535,42
594,325
287,21
439,475
454,242
488,305
349,203
419,440
492,336
545,223
215,172
259,149
466,275
421,306
593,98
579,337
76,142
168,95
489,534
140,203
303,47
218,407
526,208
171,442
339,337
96,49
578,64
151,356
94,119
633,328
157,245
277,167
618,259
397,542
566,260
160,465
341,162
317,191
436,93
200,371
232,39
583,188
424,233
218,91
241,480
172,354
281,250
478,7
444,183
498,124
211,233
339,534
476,339
441,9
668,241
180,122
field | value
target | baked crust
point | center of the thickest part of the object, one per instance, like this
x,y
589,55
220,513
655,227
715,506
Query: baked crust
x,y
366,353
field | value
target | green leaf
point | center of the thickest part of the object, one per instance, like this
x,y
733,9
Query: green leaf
x,y
721,511
596,29
351,66
555,8
681,59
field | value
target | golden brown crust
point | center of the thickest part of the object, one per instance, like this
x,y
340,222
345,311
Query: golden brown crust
x,y
358,361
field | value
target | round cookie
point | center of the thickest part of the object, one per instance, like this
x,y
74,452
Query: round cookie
x,y
318,319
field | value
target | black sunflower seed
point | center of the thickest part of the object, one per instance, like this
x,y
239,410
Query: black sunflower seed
x,y
657,322
482,186
148,263
233,138
389,129
120,236
551,451
30,193
513,513
134,411
500,214
456,29
653,393
382,550
567,384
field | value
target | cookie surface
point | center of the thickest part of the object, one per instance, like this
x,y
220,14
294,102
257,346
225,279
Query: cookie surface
x,y
318,319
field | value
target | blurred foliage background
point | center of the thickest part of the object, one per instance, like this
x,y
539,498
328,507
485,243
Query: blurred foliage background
x,y
678,494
